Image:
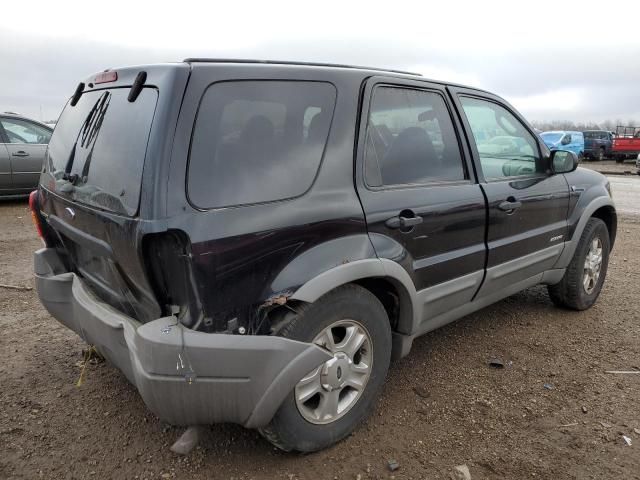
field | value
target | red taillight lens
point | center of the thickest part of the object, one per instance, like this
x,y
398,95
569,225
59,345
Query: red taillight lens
x,y
106,77
35,216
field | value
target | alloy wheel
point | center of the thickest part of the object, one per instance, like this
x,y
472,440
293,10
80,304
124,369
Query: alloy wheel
x,y
328,392
592,266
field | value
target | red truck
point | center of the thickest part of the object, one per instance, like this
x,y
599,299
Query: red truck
x,y
626,143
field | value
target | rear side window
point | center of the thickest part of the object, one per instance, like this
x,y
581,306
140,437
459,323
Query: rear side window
x,y
258,141
410,139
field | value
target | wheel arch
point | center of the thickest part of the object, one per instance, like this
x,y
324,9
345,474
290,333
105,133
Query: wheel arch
x,y
599,207
609,216
383,278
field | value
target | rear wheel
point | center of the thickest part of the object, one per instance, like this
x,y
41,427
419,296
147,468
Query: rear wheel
x,y
619,159
330,401
601,155
582,282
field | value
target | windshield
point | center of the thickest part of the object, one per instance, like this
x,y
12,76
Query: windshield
x,y
551,137
97,151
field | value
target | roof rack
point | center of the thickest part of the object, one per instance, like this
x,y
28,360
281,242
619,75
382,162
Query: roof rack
x,y
286,62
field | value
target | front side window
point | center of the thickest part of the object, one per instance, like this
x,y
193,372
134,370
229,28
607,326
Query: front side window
x,y
258,141
506,148
410,139
21,131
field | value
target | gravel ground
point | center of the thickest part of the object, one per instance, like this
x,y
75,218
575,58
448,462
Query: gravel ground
x,y
442,405
609,167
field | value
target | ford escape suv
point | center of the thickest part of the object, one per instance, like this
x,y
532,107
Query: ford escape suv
x,y
252,242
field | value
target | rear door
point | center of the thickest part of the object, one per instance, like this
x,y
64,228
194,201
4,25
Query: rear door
x,y
528,207
423,206
5,167
26,142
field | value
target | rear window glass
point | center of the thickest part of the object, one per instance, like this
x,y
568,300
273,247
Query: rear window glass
x,y
258,141
96,154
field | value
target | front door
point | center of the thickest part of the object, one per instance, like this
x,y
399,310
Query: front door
x,y
528,207
27,143
423,207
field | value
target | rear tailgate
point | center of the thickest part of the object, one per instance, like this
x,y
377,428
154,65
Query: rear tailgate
x,y
626,146
107,152
104,250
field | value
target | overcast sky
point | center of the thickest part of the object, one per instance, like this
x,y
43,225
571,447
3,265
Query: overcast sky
x,y
554,60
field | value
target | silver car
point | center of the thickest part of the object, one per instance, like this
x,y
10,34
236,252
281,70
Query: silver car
x,y
23,143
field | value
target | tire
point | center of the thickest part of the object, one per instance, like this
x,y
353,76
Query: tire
x,y
571,292
580,157
619,159
601,155
289,429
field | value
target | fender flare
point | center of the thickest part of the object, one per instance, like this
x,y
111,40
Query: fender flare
x,y
359,270
585,215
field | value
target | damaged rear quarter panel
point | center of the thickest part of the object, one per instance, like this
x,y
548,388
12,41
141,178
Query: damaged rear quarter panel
x,y
242,256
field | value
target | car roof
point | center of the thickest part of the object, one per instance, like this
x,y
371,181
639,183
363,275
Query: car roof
x,y
333,66
293,63
22,117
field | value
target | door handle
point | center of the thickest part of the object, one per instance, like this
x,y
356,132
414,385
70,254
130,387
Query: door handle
x,y
510,205
403,222
20,153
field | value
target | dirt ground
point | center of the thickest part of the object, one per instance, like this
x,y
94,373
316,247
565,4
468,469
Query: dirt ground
x,y
442,406
608,167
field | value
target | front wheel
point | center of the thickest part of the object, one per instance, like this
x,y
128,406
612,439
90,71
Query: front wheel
x,y
601,155
333,399
582,282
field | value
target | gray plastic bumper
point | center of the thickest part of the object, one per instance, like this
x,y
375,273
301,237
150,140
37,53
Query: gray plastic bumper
x,y
239,379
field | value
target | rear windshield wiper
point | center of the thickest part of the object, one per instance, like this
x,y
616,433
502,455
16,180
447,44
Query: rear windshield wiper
x,y
72,178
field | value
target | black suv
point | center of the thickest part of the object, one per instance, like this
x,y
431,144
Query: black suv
x,y
252,242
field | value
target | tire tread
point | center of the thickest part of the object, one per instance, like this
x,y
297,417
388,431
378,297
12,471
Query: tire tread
x,y
568,292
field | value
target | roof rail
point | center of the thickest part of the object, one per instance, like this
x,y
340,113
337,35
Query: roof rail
x,y
286,62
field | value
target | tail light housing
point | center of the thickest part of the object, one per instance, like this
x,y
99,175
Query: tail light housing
x,y
36,216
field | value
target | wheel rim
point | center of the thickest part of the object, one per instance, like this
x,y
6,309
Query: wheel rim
x,y
328,392
592,266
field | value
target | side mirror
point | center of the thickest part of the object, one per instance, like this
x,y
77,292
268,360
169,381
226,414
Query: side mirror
x,y
563,161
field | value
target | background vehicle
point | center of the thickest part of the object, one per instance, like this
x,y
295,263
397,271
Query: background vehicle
x,y
565,140
240,261
22,145
626,143
597,144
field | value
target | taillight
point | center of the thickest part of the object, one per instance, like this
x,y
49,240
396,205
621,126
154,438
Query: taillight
x,y
35,214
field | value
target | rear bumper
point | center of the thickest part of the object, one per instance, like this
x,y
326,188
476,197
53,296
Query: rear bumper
x,y
239,379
